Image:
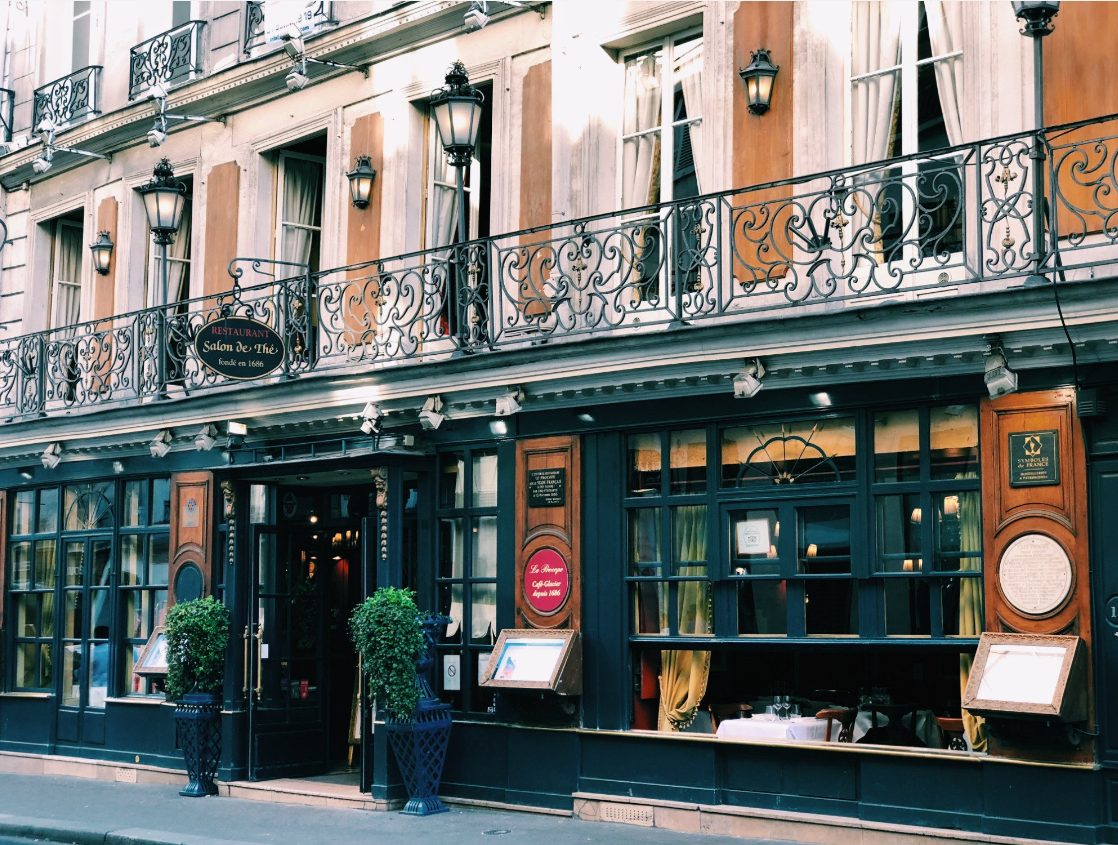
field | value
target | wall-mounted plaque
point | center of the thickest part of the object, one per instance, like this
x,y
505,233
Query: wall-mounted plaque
x,y
547,581
547,488
526,658
1034,458
239,348
1035,575
1027,675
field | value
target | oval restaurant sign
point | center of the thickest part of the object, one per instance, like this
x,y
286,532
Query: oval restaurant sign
x,y
239,348
547,581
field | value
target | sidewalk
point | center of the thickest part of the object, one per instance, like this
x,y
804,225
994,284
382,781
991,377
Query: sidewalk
x,y
84,812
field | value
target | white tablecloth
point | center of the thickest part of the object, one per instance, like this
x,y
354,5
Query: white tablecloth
x,y
801,728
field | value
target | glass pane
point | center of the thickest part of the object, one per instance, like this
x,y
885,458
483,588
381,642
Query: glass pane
x,y
954,441
644,465
896,446
73,620
907,607
450,604
693,608
484,564
45,563
644,541
21,566
46,666
133,512
98,674
650,607
689,539
483,613
161,501
958,530
159,607
158,560
642,114
71,674
257,504
23,512
802,452
898,533
27,615
88,506
132,613
48,511
452,477
100,563
830,607
961,600
131,560
99,607
688,460
74,565
451,548
27,675
47,617
763,607
823,539
485,480
754,541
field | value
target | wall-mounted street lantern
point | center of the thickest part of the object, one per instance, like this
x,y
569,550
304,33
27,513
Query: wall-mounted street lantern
x,y
457,111
361,181
164,199
758,76
102,250
1036,15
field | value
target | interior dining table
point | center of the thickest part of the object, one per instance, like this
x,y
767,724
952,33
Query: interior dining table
x,y
764,726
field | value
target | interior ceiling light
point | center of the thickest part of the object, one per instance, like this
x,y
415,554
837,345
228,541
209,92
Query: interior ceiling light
x,y
748,382
161,444
27,473
509,403
297,78
157,135
205,439
431,415
1000,379
371,415
52,456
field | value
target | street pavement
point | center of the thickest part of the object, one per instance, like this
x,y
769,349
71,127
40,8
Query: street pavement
x,y
49,809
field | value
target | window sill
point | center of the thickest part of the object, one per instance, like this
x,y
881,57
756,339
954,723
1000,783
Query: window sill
x,y
34,695
146,700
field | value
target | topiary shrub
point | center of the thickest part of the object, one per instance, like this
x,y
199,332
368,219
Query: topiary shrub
x,y
387,633
197,635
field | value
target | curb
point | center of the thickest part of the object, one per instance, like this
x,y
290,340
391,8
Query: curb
x,y
75,834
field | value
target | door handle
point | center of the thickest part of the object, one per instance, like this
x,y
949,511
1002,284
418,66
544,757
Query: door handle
x,y
259,659
245,637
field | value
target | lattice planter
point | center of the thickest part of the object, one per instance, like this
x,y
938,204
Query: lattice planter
x,y
199,735
420,749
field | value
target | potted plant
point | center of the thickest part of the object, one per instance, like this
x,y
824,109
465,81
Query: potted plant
x,y
197,634
395,643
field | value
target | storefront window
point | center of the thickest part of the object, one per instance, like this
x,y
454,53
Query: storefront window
x,y
144,561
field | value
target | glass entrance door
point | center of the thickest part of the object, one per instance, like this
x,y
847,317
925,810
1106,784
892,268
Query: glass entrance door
x,y
289,683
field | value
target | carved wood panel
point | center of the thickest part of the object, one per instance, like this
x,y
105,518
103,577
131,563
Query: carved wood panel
x,y
191,530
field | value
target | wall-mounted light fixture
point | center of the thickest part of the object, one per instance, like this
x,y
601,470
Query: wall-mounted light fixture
x,y
27,473
431,415
476,16
161,444
1036,16
236,433
297,78
52,455
158,132
748,382
1000,379
102,251
205,439
361,182
45,160
509,403
758,76
371,416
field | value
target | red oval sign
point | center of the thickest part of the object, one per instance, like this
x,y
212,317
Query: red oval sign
x,y
547,581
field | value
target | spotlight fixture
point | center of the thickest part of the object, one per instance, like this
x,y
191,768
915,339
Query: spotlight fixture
x,y
45,160
431,415
205,439
157,135
747,383
27,473
476,17
52,455
297,77
161,444
1000,379
509,403
236,432
371,416
118,467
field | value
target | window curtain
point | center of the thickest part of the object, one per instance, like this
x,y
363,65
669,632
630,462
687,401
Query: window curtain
x,y
640,167
970,603
67,275
945,31
690,75
178,269
445,204
302,203
684,673
876,44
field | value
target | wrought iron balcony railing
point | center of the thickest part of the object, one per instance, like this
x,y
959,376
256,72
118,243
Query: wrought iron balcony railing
x,y
312,16
69,100
170,58
956,222
7,113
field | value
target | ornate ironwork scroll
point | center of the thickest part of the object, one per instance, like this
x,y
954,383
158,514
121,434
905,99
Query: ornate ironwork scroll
x,y
170,58
68,100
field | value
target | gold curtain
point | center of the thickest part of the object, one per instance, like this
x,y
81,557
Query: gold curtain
x,y
684,674
970,602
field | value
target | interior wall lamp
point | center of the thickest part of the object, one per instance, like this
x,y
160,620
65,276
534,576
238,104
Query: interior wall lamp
x,y
102,251
361,181
758,76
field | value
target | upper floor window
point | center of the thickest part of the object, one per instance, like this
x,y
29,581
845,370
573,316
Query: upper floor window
x,y
65,294
178,260
661,123
301,179
82,19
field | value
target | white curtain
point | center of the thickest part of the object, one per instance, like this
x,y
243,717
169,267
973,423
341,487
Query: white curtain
x,y
178,267
302,204
945,31
67,275
690,74
641,155
876,45
445,203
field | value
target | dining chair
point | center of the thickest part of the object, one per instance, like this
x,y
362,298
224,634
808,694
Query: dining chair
x,y
953,732
845,718
732,710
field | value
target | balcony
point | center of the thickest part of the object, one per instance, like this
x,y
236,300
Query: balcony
x,y
958,222
69,100
169,59
262,27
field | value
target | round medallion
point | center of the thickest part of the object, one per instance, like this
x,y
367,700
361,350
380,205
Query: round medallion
x,y
547,581
1035,575
290,505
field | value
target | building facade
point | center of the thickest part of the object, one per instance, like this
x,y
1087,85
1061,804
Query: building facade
x,y
774,390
